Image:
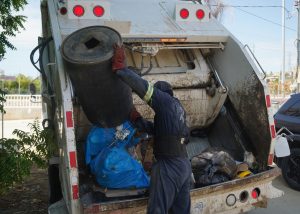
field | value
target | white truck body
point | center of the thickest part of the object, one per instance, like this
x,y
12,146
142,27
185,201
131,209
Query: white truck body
x,y
208,69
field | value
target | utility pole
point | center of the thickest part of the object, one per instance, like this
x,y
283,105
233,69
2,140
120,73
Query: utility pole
x,y
297,78
283,47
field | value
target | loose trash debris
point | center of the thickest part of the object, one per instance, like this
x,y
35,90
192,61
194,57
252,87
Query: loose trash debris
x,y
212,167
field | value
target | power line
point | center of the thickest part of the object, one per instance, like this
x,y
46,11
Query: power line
x,y
289,13
261,6
253,6
267,20
252,14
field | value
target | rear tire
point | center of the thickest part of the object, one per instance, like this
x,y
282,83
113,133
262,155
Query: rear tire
x,y
290,167
55,193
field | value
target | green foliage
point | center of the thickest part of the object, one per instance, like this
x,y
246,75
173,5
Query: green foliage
x,y
37,83
24,83
12,86
18,155
10,24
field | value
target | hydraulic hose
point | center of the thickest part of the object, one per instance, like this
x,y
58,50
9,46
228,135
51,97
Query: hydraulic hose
x,y
41,69
41,47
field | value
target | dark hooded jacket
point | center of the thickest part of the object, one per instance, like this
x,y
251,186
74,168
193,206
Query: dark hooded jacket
x,y
170,130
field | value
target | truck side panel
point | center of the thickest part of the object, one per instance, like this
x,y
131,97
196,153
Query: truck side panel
x,y
63,116
246,93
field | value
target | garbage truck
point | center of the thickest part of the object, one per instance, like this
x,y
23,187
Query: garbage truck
x,y
217,79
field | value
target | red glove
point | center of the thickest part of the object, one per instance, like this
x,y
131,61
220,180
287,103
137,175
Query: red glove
x,y
134,115
118,59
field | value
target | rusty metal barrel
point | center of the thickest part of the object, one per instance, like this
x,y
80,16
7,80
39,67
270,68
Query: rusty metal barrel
x,y
87,54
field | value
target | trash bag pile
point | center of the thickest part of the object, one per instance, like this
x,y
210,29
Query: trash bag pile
x,y
109,160
212,167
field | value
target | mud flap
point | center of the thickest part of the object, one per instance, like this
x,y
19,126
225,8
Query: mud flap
x,y
273,192
58,208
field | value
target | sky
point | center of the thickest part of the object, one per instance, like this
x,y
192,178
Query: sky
x,y
261,28
253,22
18,61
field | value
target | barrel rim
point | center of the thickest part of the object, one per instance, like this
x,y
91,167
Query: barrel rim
x,y
81,29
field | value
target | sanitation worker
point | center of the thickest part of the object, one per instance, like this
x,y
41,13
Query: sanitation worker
x,y
170,175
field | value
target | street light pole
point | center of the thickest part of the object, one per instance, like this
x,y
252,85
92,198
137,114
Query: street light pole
x,y
283,46
19,85
297,77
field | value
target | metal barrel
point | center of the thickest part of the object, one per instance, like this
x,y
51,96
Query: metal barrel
x,y
87,54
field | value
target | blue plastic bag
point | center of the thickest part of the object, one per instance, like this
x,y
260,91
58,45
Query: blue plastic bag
x,y
109,160
116,169
97,140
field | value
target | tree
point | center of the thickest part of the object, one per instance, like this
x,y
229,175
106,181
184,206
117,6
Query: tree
x,y
10,24
17,155
12,86
24,83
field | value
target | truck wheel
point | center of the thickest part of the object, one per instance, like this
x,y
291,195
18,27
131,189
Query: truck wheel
x,y
55,193
291,169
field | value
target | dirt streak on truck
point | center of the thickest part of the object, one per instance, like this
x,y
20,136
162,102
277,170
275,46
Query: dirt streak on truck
x,y
217,79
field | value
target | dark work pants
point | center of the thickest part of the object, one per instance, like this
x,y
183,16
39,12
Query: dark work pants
x,y
170,186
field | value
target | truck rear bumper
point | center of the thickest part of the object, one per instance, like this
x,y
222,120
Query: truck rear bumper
x,y
211,199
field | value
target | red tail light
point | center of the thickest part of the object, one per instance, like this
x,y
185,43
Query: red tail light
x,y
98,11
78,10
255,193
63,11
200,14
184,13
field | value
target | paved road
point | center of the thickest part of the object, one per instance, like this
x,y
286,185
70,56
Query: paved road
x,y
11,125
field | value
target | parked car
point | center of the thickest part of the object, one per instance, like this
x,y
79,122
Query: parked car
x,y
288,116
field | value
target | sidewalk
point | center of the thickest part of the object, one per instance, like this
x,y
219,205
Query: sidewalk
x,y
11,125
